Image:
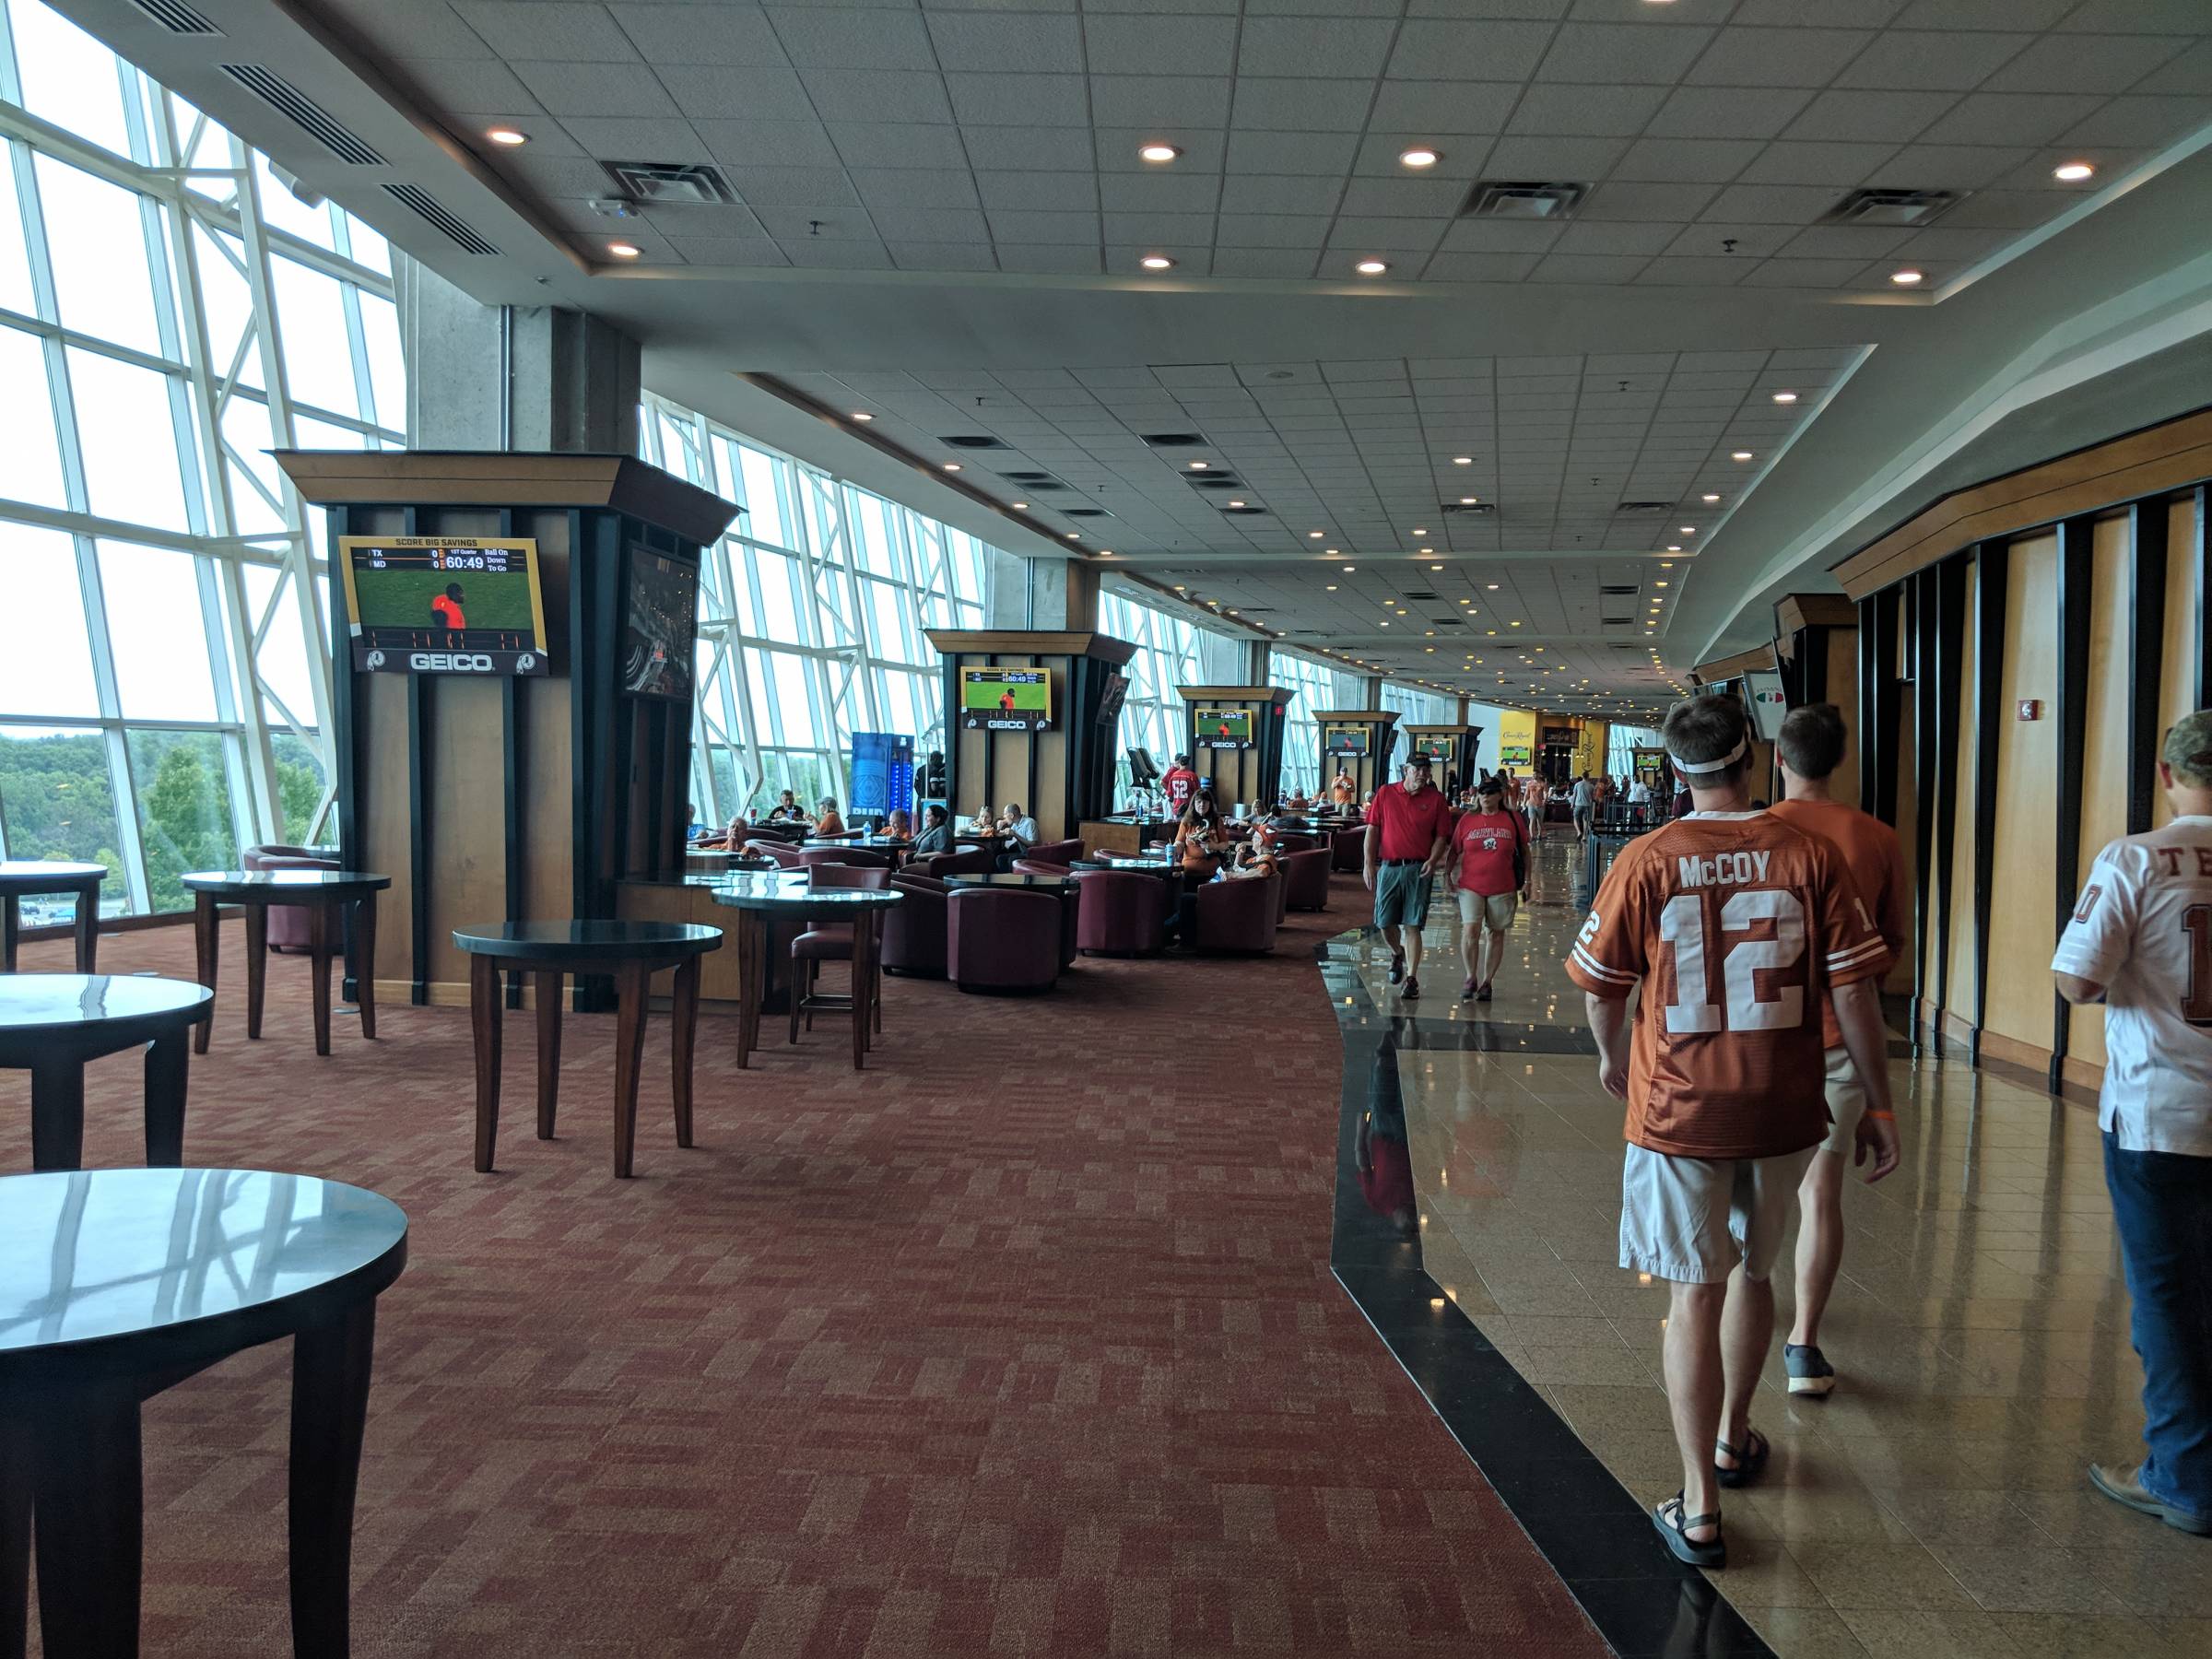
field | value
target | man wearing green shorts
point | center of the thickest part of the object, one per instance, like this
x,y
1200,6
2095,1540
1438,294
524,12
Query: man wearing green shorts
x,y
1409,836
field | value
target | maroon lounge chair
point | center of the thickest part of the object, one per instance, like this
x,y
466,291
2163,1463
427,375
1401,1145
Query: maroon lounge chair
x,y
786,858
1037,866
1239,915
1306,880
1121,914
858,858
913,935
1347,850
1055,852
1002,938
974,861
289,923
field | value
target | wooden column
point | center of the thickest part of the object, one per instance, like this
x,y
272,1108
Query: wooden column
x,y
1993,574
2075,596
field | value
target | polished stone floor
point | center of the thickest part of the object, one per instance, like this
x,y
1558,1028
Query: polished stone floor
x,y
1936,1503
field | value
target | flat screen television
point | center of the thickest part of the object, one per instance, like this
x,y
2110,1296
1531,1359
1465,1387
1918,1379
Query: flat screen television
x,y
660,619
1438,746
1770,704
1006,699
1344,739
1223,728
444,605
1113,693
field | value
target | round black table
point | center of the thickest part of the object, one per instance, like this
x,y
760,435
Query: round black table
x,y
23,878
1010,879
1121,860
631,951
758,898
51,1023
324,894
116,1284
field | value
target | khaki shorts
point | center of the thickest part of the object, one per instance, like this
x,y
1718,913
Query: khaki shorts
x,y
1496,910
1846,1104
1693,1219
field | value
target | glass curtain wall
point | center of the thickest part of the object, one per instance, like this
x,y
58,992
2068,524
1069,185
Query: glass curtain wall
x,y
1169,652
1318,687
811,612
169,313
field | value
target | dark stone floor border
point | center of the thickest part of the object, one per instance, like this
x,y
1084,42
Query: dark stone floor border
x,y
1584,1523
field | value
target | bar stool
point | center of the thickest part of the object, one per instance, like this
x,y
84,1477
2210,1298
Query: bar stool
x,y
834,942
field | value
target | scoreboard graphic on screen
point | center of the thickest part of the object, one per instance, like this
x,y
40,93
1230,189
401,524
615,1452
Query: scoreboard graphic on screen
x,y
1223,728
444,605
1006,699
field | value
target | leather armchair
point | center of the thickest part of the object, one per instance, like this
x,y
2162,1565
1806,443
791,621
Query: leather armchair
x,y
289,923
857,858
973,861
1121,914
1238,915
1060,853
786,858
1037,866
1306,880
1002,939
1347,850
913,935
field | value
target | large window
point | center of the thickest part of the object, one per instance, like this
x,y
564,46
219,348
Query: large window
x,y
811,612
1319,686
169,312
1169,652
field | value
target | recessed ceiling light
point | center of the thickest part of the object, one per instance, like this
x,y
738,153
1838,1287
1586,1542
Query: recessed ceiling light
x,y
2073,172
1420,156
1371,267
1330,553
1108,553
623,250
1436,567
862,417
1739,455
1709,499
1462,460
1420,529
952,466
1156,152
1386,622
1513,624
1331,587
1658,585
1907,277
1785,397
1075,536
1491,587
1689,529
1313,535
1198,466
1672,549
1156,262
1236,504
1021,506
508,137
1349,569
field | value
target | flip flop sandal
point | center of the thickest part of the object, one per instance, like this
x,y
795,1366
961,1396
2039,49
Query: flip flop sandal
x,y
1673,1526
1750,1460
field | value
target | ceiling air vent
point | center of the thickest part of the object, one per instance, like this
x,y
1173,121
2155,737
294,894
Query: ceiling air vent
x,y
1501,198
1470,506
1892,207
1644,507
1172,440
176,17
1215,481
1630,589
1244,512
672,183
303,112
974,440
1445,622
428,208
1084,512
1034,480
1417,593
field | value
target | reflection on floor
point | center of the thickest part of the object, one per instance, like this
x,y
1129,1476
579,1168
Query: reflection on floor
x,y
1934,1504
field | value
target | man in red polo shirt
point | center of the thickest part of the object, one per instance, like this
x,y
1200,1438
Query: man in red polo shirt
x,y
1408,837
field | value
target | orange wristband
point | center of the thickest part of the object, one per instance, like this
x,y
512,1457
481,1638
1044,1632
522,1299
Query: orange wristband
x,y
1887,1117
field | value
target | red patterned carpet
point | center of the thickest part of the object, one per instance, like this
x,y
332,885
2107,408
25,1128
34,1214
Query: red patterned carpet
x,y
1021,1342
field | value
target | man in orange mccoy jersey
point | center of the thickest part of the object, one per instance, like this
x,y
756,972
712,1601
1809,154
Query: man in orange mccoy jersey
x,y
446,607
1738,926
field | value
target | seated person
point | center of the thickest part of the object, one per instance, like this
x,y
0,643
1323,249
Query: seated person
x,y
826,820
1019,824
936,832
897,826
787,811
1200,838
1257,855
982,823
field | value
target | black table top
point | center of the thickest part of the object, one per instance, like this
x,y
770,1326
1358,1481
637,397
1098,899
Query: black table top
x,y
263,884
40,875
565,941
31,1003
101,1258
1145,865
892,841
787,890
1008,878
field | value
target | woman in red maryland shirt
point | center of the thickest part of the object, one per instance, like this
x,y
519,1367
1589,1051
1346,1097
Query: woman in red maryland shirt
x,y
1490,867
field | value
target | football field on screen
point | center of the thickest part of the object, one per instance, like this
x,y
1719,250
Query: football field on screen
x,y
984,694
395,598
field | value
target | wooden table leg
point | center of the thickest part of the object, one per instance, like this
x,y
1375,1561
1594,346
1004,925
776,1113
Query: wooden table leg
x,y
863,977
364,962
87,929
204,946
484,1010
166,1067
548,1050
89,1501
57,1113
320,917
11,923
752,955
683,1018
16,1462
330,1410
257,966
630,980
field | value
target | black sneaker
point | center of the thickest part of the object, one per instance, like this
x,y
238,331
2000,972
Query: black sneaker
x,y
1397,966
1483,994
1810,1373
1412,990
1466,992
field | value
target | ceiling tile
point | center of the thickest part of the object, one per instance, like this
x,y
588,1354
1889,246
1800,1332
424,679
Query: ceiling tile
x,y
1441,108
1982,14
1473,50
465,87
792,186
1728,112
942,257
624,138
1049,260
2135,17
1028,149
1437,199
1593,111
738,35
1588,267
768,143
1614,237
916,187
849,39
414,28
1609,54
1627,200
1686,160
727,250
1306,230
547,32
793,222
1837,242
1245,194
1013,226
1300,106
737,94
1907,62
1838,166
2008,118
1160,193
1019,100
1771,204
1553,158
1350,47
566,88
1355,235
929,225
1868,117
1500,236
1157,229
899,145
1479,267
1803,272
1141,100
1947,166
1160,45
1753,240
2189,75
2138,123
1263,262
1776,57
995,42
823,255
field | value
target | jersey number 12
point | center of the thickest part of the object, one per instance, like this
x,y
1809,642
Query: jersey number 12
x,y
1682,927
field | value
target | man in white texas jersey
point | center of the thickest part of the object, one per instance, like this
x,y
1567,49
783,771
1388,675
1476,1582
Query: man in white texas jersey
x,y
1734,923
2140,941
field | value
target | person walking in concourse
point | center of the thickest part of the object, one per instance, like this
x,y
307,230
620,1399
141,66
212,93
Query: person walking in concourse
x,y
2140,942
1489,870
1409,837
1811,747
1744,924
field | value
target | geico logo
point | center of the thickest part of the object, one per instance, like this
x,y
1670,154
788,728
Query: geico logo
x,y
439,661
